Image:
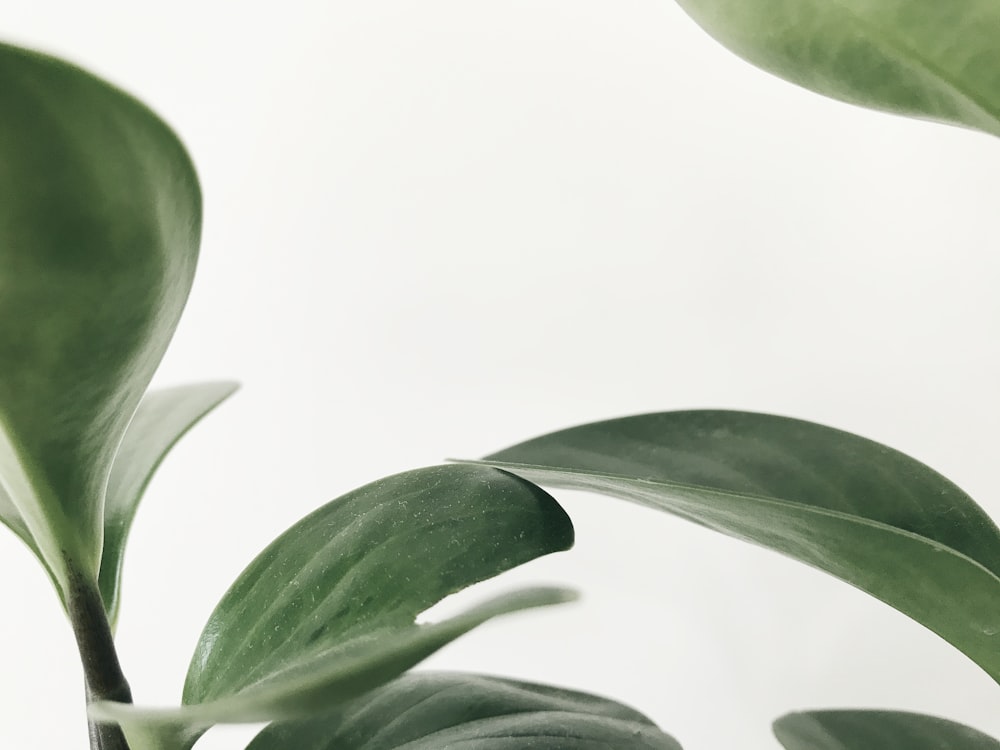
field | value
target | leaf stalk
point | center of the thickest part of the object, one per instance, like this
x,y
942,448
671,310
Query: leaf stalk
x,y
102,670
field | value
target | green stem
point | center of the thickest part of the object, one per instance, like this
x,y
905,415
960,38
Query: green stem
x,y
102,671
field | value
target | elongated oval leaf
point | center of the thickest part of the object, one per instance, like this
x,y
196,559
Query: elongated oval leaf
x,y
99,229
876,730
307,688
432,710
923,58
328,610
852,507
162,418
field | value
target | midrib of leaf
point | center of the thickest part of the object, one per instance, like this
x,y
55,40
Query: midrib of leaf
x,y
656,484
12,517
909,56
36,516
721,468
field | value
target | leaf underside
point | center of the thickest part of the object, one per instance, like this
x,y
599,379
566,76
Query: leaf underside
x,y
922,58
876,730
432,710
854,508
328,610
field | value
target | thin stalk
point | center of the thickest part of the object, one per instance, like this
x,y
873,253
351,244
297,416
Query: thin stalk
x,y
101,669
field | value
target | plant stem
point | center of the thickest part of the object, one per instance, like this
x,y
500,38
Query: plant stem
x,y
101,670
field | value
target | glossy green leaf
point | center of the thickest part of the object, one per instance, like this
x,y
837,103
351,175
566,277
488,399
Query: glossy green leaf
x,y
328,610
162,418
876,730
99,230
852,507
924,58
433,710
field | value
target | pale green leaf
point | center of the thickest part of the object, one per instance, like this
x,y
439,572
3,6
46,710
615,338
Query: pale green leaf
x,y
162,418
876,730
846,505
311,685
924,58
433,710
99,230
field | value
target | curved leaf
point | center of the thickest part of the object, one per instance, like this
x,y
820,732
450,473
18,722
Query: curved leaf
x,y
99,230
345,671
429,710
923,58
163,417
328,610
838,502
876,730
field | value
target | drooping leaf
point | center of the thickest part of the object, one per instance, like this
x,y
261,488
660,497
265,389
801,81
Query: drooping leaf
x,y
163,417
876,730
99,230
924,58
328,610
861,511
432,710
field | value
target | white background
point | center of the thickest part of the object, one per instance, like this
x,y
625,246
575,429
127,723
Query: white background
x,y
438,227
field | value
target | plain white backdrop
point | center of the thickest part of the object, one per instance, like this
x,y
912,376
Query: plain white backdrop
x,y
438,227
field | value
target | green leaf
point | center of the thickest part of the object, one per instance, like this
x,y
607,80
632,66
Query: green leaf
x,y
99,230
428,711
876,730
328,610
163,417
861,511
923,58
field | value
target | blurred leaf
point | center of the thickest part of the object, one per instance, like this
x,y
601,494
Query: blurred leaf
x,y
429,710
163,417
876,730
328,610
344,671
99,230
923,58
861,511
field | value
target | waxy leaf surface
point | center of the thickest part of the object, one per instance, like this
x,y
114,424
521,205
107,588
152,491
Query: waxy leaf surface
x,y
861,511
432,710
876,730
99,230
327,611
924,58
162,418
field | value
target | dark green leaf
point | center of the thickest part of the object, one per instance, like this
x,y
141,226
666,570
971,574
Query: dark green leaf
x,y
328,610
876,730
856,509
99,229
924,58
162,418
429,710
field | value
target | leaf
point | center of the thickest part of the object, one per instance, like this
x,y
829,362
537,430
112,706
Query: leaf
x,y
432,710
923,58
99,230
163,417
861,511
328,610
876,730
344,671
